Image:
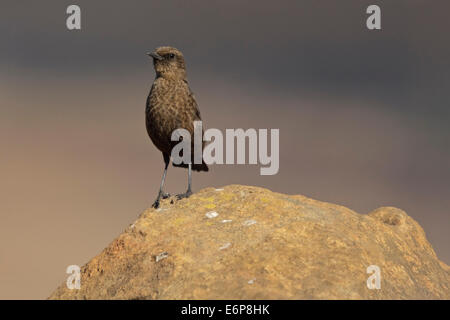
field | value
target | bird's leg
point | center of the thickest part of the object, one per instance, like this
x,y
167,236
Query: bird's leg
x,y
189,191
161,193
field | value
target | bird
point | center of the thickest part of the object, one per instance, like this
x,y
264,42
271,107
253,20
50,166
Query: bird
x,y
171,105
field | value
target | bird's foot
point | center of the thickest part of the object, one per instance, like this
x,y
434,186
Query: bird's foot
x,y
165,195
156,204
187,194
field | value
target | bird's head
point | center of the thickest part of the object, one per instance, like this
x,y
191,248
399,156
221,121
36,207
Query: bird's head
x,y
168,63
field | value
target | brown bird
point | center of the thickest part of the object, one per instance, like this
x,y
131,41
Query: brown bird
x,y
171,105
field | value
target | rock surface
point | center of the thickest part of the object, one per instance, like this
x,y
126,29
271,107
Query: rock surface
x,y
250,243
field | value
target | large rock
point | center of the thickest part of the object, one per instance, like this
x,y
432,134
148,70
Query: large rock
x,y
250,243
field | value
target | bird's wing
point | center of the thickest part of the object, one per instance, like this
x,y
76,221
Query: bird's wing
x,y
192,103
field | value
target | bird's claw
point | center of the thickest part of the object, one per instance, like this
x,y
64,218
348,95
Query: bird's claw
x,y
156,204
165,195
187,194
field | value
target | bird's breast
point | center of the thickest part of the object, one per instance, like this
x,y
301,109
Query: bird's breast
x,y
167,110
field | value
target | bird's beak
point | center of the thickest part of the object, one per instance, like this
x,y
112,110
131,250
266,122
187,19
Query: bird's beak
x,y
154,55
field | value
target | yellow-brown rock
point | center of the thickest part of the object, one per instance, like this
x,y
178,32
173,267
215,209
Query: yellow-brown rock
x,y
244,242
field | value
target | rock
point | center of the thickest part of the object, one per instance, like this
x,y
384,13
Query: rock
x,y
272,246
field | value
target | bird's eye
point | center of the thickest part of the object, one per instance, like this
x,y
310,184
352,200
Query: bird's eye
x,y
171,55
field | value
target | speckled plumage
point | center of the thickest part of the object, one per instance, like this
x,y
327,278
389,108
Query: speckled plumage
x,y
171,104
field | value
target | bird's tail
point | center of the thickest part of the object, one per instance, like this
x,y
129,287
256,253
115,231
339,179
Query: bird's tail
x,y
196,167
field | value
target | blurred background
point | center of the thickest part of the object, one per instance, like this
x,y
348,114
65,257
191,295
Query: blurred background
x,y
363,115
